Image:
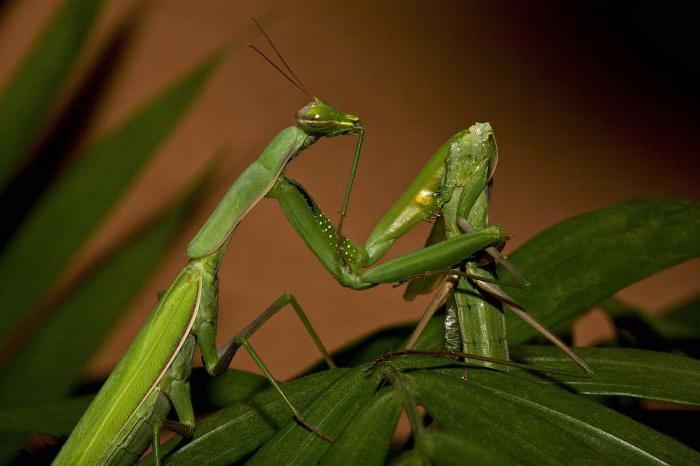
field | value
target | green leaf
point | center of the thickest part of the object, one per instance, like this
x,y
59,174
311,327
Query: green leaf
x,y
581,261
497,423
26,102
54,417
680,322
233,385
79,325
448,448
237,430
620,371
411,458
366,440
541,424
633,328
81,198
330,413
385,340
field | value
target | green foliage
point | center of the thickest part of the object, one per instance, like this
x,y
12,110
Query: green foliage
x,y
30,94
579,262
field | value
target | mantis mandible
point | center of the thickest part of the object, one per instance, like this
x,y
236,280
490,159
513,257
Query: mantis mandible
x,y
453,186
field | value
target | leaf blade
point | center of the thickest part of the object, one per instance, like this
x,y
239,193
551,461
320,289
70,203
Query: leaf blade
x,y
610,436
577,263
330,413
27,99
367,438
72,208
237,430
623,371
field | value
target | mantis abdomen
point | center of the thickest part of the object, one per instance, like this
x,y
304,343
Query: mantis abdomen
x,y
131,394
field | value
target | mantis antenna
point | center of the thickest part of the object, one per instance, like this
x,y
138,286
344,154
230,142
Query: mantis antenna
x,y
300,84
290,76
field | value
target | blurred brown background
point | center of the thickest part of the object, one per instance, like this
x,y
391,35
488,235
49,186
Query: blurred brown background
x,y
592,103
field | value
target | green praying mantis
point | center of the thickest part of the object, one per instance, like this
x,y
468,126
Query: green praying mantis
x,y
151,379
130,410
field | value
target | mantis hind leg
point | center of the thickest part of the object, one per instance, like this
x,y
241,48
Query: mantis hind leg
x,y
216,361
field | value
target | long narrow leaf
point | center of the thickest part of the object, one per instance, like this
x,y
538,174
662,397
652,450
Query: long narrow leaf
x,y
331,413
80,324
72,209
237,430
680,322
54,417
522,411
26,101
620,371
497,423
365,442
448,448
581,261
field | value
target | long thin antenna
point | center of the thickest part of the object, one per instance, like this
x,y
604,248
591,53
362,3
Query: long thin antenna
x,y
279,55
280,71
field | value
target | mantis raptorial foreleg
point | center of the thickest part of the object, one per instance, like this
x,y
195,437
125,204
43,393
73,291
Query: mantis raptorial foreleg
x,y
474,321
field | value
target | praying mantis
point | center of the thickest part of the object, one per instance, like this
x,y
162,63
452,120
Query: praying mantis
x,y
131,409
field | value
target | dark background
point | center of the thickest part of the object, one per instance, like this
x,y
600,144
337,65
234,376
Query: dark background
x,y
591,102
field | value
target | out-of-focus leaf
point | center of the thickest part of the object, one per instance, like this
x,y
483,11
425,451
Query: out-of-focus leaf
x,y
237,430
633,327
366,440
331,413
447,448
541,424
579,262
26,101
79,325
412,458
680,322
54,418
81,198
383,341
67,130
622,371
231,386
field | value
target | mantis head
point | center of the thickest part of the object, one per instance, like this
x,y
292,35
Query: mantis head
x,y
481,135
320,118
